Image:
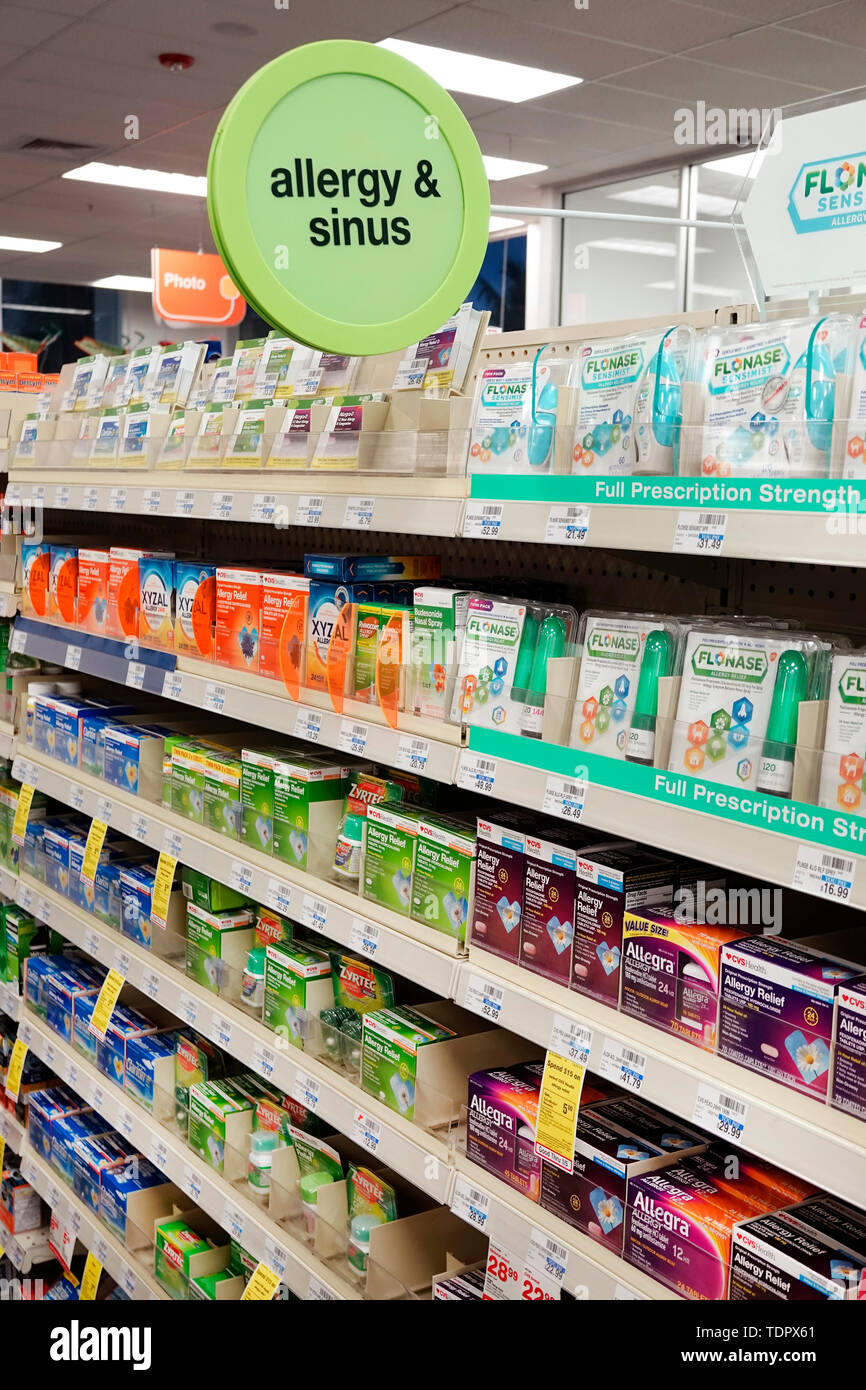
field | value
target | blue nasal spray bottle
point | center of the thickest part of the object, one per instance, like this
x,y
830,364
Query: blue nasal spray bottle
x,y
658,410
542,431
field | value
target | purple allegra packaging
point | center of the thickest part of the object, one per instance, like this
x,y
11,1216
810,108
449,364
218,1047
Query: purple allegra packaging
x,y
776,1009
678,1231
611,880
498,908
500,1130
848,1084
773,1257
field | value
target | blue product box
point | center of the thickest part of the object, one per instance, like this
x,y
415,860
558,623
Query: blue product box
x,y
63,989
92,755
66,1131
43,1109
351,568
125,745
63,1290
67,716
31,859
107,901
136,892
82,1039
156,581
91,1158
111,1050
55,847
38,974
119,1184
142,1054
43,724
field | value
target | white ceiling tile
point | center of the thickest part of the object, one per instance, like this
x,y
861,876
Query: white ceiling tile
x,y
802,58
190,25
665,25
769,11
608,101
471,30
691,81
845,22
28,26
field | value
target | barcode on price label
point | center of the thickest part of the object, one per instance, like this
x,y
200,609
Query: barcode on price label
x,y
483,521
564,797
222,506
567,525
188,1008
172,685
571,1039
412,753
135,674
470,1203
364,937
314,913
546,1256
279,896
720,1113
483,998
184,503
139,825
308,725
306,1090
353,737
117,499
191,1183
309,511
263,506
823,874
701,533
359,513
366,1131
476,774
215,697
622,1065
263,1060
152,498
318,1292
73,658
241,876
90,498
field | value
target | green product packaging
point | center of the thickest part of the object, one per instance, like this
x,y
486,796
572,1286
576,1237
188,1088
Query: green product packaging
x,y
297,987
176,1244
257,797
438,618
776,773
208,892
390,835
195,1060
360,986
240,1260
3,956
21,931
271,927
389,1059
217,944
222,807
372,1202
220,1118
307,804
315,1155
657,662
187,779
205,1286
444,878
371,622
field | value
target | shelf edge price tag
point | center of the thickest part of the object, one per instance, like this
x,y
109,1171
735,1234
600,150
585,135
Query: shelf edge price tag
x,y
16,1067
412,753
545,1256
308,725
215,697
622,1065
565,797
366,1131
305,1090
364,937
824,874
720,1113
700,533
567,524
90,1279
571,1039
470,1203
558,1101
309,512
483,521
483,998
353,737
279,897
172,685
476,773
222,505
358,515
314,913
317,1292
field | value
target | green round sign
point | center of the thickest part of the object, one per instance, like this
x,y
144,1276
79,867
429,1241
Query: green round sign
x,y
348,198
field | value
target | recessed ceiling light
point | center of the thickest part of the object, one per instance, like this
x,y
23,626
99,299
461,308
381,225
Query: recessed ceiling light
x,y
154,180
142,283
234,28
481,77
26,243
498,168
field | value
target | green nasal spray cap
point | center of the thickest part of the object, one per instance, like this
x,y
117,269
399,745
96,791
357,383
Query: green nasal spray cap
x,y
792,680
551,643
657,659
525,657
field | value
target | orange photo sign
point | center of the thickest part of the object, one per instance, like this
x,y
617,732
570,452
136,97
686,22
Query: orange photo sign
x,y
189,288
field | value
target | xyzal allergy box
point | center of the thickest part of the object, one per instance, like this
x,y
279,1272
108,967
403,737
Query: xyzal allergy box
x,y
670,974
776,1009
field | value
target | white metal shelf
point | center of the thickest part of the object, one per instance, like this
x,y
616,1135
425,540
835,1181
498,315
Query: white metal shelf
x,y
8,883
121,1264
7,738
416,745
8,599
592,1272
422,1158
9,997
236,1213
400,503
12,1131
409,948
795,1131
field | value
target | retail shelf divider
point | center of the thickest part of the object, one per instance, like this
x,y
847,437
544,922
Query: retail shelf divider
x,y
121,1264
421,1157
781,1125
226,1204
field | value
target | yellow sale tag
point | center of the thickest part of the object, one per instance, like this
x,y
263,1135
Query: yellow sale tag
x,y
22,811
93,849
162,889
558,1104
104,1006
2,1152
90,1279
16,1066
263,1284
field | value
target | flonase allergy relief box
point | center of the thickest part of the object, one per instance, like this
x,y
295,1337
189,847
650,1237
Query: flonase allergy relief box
x,y
501,1120
776,1012
670,974
774,1257
498,906
611,881
238,618
613,649
848,1084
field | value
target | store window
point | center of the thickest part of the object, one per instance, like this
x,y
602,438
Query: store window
x,y
614,270
55,317
715,273
501,284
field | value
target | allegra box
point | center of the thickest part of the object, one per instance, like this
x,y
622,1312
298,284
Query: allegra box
x,y
611,881
776,1009
670,974
501,1119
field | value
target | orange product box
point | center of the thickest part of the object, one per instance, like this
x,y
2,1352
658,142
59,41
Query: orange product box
x,y
284,615
8,381
63,584
93,590
34,382
238,618
122,597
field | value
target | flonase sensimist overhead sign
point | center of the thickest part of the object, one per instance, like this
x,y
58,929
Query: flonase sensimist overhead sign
x,y
348,198
805,215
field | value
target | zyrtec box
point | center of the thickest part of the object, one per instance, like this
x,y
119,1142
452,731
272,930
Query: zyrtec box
x,y
776,1009
670,975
